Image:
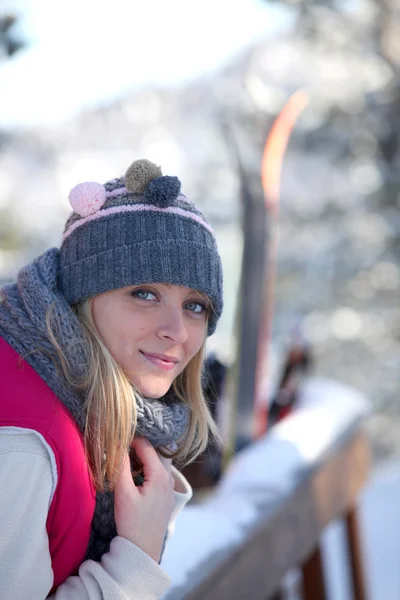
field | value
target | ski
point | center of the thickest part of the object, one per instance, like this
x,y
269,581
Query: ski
x,y
271,170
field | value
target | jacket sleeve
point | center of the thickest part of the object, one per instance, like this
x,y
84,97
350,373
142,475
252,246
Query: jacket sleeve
x,y
182,493
26,488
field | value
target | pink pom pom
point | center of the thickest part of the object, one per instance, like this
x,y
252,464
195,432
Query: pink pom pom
x,y
87,198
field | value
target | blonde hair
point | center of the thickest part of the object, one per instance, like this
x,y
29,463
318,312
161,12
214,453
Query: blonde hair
x,y
110,404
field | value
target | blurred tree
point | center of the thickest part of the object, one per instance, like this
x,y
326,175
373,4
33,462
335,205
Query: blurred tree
x,y
10,236
347,54
10,43
365,27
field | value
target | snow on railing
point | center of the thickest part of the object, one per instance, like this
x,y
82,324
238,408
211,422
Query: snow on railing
x,y
267,513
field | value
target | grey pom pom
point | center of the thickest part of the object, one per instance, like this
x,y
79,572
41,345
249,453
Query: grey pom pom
x,y
163,191
139,174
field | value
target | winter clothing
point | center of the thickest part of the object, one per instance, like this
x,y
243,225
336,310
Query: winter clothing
x,y
23,325
138,229
131,230
25,562
28,402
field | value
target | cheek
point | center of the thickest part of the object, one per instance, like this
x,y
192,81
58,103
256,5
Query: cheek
x,y
110,324
99,315
195,341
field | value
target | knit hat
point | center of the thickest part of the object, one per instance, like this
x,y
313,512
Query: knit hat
x,y
138,229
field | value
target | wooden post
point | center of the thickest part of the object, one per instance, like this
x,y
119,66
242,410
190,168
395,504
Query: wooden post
x,y
356,563
313,577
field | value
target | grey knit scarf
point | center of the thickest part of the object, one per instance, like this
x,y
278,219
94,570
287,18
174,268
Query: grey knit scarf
x,y
23,308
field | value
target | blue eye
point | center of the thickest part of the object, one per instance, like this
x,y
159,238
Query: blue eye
x,y
143,295
196,307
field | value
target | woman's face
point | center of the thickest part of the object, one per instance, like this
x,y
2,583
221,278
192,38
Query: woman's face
x,y
152,331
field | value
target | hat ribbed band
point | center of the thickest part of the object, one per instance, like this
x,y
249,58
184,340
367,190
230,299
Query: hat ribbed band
x,y
108,254
114,210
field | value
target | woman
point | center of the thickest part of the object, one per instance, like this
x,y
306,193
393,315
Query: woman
x,y
101,347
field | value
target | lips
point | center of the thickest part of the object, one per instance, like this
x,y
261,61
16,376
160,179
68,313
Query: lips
x,y
161,360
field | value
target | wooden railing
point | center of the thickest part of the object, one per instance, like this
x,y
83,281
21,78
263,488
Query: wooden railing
x,y
278,496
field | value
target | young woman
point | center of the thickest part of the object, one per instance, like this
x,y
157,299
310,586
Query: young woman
x,y
101,348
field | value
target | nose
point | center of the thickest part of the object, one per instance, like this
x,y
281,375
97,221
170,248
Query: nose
x,y
172,325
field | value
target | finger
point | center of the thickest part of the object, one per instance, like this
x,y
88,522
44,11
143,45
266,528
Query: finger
x,y
147,456
125,480
166,462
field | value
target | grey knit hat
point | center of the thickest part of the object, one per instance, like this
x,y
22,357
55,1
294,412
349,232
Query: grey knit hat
x,y
138,229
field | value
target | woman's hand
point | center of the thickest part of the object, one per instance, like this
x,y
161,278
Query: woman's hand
x,y
142,512
166,462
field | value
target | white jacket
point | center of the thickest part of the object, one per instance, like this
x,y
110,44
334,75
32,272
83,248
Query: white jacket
x,y
28,478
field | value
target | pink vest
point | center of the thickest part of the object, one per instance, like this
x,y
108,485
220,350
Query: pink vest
x,y
27,401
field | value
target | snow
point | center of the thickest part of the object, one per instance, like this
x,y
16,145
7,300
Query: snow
x,y
379,518
207,533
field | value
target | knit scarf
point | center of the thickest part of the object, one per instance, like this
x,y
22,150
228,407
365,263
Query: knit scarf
x,y
23,309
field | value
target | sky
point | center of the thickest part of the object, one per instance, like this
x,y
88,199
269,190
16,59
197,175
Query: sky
x,y
84,52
